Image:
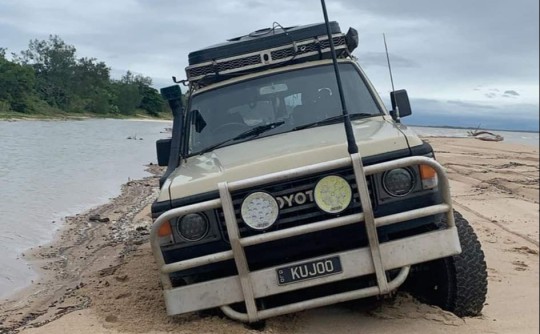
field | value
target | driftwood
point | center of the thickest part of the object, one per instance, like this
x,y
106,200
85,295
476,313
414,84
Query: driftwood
x,y
485,135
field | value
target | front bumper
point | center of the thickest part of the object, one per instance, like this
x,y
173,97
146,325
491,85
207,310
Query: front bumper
x,y
248,286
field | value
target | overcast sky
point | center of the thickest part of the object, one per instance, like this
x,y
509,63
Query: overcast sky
x,y
462,57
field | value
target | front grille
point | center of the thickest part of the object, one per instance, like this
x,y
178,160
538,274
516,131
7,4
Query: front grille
x,y
295,215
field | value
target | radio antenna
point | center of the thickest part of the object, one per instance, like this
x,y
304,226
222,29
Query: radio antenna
x,y
351,142
388,60
391,78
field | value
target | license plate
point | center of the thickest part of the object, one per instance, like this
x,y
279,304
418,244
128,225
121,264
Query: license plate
x,y
308,270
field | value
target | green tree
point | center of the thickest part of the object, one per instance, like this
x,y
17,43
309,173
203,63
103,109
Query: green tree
x,y
89,74
134,92
91,86
54,64
16,84
152,102
48,76
126,96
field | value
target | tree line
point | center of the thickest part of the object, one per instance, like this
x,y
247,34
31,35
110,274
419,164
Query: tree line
x,y
48,78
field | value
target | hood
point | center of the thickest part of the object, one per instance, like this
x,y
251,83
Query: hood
x,y
202,173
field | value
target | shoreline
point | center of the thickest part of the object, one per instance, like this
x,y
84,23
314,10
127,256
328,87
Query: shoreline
x,y
101,277
62,264
535,145
54,169
77,117
529,139
471,128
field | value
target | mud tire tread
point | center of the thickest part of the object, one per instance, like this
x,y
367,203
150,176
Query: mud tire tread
x,y
469,287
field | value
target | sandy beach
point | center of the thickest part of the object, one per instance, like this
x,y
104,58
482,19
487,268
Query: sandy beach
x,y
99,276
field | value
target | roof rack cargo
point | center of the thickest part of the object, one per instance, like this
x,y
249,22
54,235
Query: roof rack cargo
x,y
265,48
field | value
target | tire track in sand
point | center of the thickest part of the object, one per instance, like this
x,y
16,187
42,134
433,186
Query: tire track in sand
x,y
494,222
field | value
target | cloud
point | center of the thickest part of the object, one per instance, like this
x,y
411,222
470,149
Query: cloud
x,y
441,50
368,59
470,114
511,92
470,105
494,93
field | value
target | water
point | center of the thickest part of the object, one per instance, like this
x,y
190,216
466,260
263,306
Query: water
x,y
51,169
525,138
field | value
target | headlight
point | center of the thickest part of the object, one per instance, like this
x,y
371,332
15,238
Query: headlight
x,y
333,194
193,226
259,210
398,182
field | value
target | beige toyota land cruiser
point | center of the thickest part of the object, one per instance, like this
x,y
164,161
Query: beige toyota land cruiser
x,y
264,210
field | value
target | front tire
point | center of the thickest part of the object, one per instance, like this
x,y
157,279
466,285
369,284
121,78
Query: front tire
x,y
458,283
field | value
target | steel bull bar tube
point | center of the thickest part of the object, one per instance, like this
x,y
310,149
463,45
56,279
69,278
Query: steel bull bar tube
x,y
318,302
244,281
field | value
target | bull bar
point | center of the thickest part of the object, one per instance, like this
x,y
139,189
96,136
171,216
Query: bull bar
x,y
376,259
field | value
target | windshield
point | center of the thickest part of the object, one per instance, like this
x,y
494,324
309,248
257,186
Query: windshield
x,y
296,98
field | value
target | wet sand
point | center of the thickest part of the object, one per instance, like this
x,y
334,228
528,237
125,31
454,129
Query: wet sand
x,y
100,277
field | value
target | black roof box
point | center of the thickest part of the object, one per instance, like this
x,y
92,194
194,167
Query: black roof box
x,y
259,40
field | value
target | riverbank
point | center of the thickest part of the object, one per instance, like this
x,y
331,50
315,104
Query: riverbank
x,y
90,246
53,169
14,117
100,277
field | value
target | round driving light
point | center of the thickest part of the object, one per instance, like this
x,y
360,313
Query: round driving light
x,y
193,227
259,210
333,194
398,182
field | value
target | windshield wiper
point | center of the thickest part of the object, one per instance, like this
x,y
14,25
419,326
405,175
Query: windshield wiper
x,y
254,132
258,130
330,120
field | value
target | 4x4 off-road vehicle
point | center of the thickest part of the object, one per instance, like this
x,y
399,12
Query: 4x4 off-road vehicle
x,y
264,211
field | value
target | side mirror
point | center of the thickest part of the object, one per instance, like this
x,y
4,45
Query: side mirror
x,y
400,99
163,149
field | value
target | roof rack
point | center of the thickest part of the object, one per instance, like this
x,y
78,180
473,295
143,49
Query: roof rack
x,y
267,48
